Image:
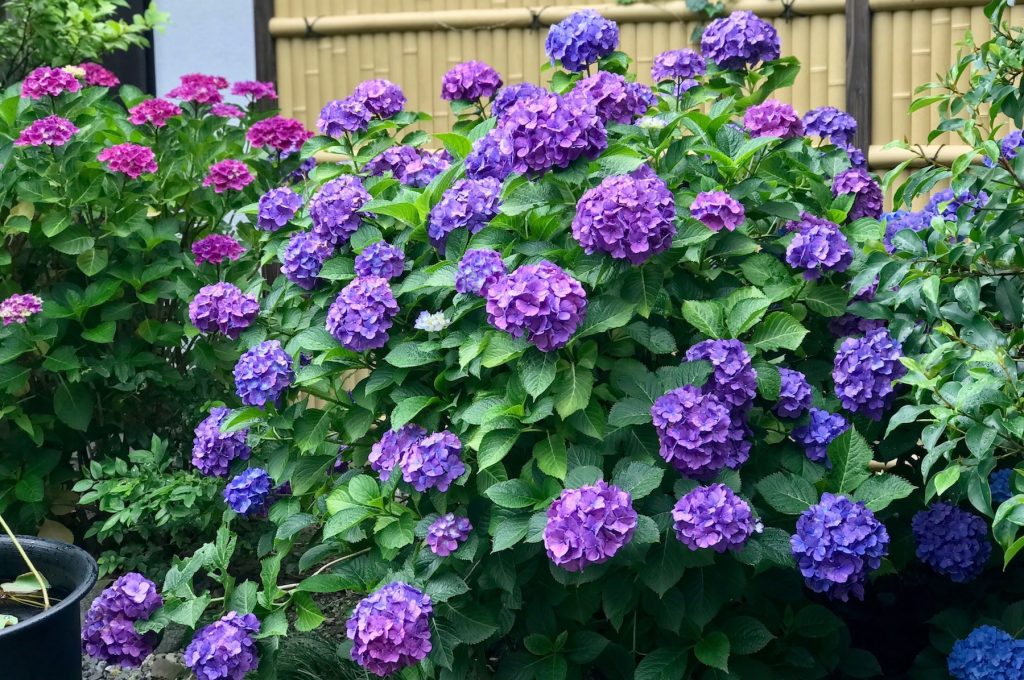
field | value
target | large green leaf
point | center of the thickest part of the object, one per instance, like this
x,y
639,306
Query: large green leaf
x,y
73,405
707,316
850,455
778,331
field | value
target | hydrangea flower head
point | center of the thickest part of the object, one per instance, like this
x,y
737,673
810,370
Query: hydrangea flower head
x,y
19,307
614,99
227,111
794,394
733,379
411,166
773,118
98,76
431,322
821,429
213,450
433,462
682,66
46,81
108,632
199,88
630,217
550,131
225,649
1009,148
248,492
254,90
510,94
487,160
156,112
828,122
469,203
335,209
263,373
382,98
817,247
740,40
718,210
836,545
131,159
359,318
228,174
132,595
478,270
447,533
470,81
390,629
588,525
865,371
278,133
49,131
222,308
713,517
951,541
1001,485
539,302
900,220
581,39
867,192
276,208
385,454
698,433
987,653
946,204
340,117
380,259
303,258
216,248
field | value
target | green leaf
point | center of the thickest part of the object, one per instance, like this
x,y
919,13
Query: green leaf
x,y
850,455
29,489
102,333
946,479
788,494
495,446
307,614
509,532
188,612
878,491
664,663
746,313
25,583
72,403
537,371
471,622
631,411
707,316
779,330
638,479
827,300
746,634
713,650
604,314
92,262
575,393
514,494
551,456
311,429
411,354
243,598
407,409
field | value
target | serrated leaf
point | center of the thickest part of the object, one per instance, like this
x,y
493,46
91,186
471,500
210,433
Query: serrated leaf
x,y
779,330
707,316
827,300
713,650
311,429
878,491
575,393
664,663
307,614
510,531
495,446
746,313
407,409
850,455
243,598
514,494
788,494
631,411
638,479
746,634
551,456
537,371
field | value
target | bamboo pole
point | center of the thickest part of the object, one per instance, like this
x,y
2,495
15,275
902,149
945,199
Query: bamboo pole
x,y
882,46
836,61
901,78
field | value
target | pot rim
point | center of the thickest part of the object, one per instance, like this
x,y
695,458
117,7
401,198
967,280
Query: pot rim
x,y
32,544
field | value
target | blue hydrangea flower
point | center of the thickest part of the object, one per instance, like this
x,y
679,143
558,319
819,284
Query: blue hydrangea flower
x,y
380,259
213,450
342,117
303,257
740,40
434,462
946,204
821,429
988,653
581,39
510,94
359,318
899,220
248,492
335,209
478,270
865,372
829,123
1001,484
263,373
951,541
486,159
794,395
734,380
817,247
682,66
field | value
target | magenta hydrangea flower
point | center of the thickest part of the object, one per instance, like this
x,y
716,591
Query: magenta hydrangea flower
x,y
156,112
681,66
98,76
216,248
836,544
433,462
698,433
409,165
718,210
734,379
199,88
549,131
818,247
630,217
303,258
263,373
478,270
247,493
227,111
131,159
951,541
228,174
794,394
540,302
773,118
49,131
225,649
470,81
384,454
588,525
987,653
382,98
829,123
581,39
740,40
222,308
821,429
469,203
254,90
49,82
390,629
865,372
108,632
19,307
614,99
510,94
487,160
213,450
276,208
359,318
446,533
380,259
867,192
342,117
335,209
278,133
713,517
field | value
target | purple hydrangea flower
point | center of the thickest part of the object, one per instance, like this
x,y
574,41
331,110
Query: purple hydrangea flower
x,y
19,307
581,39
588,525
301,173
390,629
698,434
682,66
817,247
828,122
614,99
821,429
1001,485
794,395
49,131
836,544
740,40
384,454
341,117
133,160
263,373
899,220
303,258
470,81
222,308
382,98
510,94
49,82
132,596
630,217
409,165
856,156
734,380
228,174
867,192
277,207
433,462
550,131
478,270
108,632
380,259
359,318
865,371
718,210
225,649
248,492
335,209
988,653
539,302
951,541
713,517
773,119
487,160
213,450
946,204
469,203
216,248
156,112
1009,148
278,133
446,533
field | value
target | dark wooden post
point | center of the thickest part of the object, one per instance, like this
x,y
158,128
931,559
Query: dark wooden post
x,y
858,69
266,57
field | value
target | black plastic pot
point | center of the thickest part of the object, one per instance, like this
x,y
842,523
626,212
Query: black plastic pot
x,y
47,646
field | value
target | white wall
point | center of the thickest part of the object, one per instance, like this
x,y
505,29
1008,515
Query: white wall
x,y
205,36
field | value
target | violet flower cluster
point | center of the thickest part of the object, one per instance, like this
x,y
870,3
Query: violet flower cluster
x,y
46,81
334,209
951,541
588,525
470,81
433,462
385,453
740,40
733,379
717,210
108,631
303,258
1009,148
276,208
19,307
549,131
228,174
540,302
362,313
156,112
382,98
794,394
469,203
901,220
341,117
213,450
263,373
682,66
820,430
380,259
581,39
829,123
411,166
216,249
773,118
836,545
222,308
446,533
49,131
865,372
130,159
987,653
947,204
510,94
225,649
867,201
614,99
713,517
247,493
390,628
278,133
478,270
486,159
698,433
818,247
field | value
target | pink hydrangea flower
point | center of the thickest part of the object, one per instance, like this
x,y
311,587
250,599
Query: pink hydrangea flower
x,y
153,111
278,132
199,88
49,131
18,308
98,76
49,82
228,174
227,111
216,248
254,89
130,159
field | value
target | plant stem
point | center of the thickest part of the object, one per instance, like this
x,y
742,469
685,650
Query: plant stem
x,y
28,563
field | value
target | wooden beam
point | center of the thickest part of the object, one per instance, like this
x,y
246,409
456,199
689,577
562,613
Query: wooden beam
x,y
858,69
266,57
